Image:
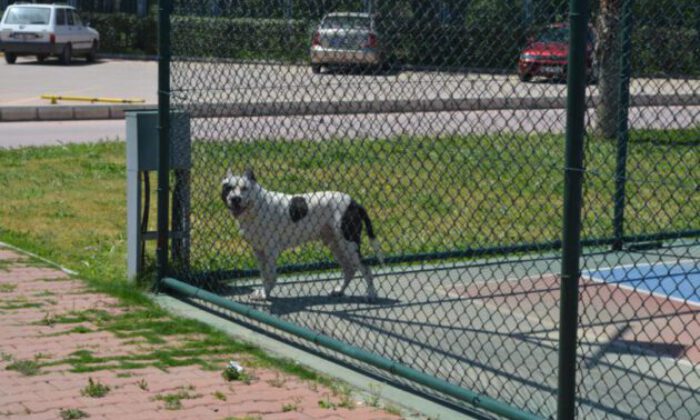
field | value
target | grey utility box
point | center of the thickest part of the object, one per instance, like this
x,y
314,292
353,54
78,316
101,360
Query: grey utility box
x,y
142,154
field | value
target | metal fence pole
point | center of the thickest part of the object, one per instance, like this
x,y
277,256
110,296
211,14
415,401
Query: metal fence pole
x,y
164,7
573,185
622,127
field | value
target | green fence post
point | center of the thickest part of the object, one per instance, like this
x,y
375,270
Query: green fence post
x,y
164,53
622,124
573,186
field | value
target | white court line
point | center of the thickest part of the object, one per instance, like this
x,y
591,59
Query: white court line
x,y
639,290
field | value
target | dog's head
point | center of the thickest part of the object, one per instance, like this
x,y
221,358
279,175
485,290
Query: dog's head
x,y
239,191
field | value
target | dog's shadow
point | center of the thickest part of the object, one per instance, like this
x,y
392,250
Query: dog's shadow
x,y
336,305
285,305
235,290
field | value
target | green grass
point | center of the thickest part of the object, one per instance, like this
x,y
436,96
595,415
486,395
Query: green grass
x,y
18,303
425,195
73,413
288,407
95,389
5,265
429,195
7,287
25,367
326,403
174,401
197,344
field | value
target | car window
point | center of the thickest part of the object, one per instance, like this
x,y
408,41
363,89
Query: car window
x,y
28,16
562,35
346,22
60,17
69,14
554,35
76,18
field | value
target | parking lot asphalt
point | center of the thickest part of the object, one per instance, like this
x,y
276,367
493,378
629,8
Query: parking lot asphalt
x,y
226,89
23,83
287,101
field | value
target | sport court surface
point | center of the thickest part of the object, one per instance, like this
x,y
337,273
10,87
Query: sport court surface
x,y
492,326
675,280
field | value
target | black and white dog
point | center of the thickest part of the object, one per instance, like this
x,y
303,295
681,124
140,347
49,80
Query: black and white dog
x,y
272,222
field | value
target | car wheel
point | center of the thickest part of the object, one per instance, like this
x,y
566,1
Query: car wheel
x,y
92,55
41,57
10,58
524,77
316,68
66,54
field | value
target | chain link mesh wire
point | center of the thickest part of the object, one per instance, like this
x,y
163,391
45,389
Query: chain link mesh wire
x,y
445,120
639,331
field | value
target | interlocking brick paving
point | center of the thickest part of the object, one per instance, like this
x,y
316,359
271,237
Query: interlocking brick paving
x,y
39,378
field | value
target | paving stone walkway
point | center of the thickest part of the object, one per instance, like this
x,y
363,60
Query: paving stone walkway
x,y
37,381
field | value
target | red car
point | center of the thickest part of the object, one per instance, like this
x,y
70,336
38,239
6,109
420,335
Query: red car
x,y
546,54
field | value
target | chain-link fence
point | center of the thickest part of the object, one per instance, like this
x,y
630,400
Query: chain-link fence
x,y
445,122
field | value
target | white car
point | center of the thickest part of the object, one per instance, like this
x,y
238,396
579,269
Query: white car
x,y
46,30
346,39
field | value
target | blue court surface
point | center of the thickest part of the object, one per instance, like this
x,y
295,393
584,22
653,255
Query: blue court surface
x,y
678,280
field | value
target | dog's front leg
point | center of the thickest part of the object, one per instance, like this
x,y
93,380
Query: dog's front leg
x,y
267,261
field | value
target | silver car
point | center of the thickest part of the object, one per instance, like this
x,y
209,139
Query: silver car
x,y
346,39
46,30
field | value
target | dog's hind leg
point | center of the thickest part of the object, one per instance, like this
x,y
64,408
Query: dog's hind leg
x,y
345,264
353,258
367,274
351,229
268,271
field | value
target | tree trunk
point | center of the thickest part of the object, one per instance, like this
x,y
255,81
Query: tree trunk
x,y
608,54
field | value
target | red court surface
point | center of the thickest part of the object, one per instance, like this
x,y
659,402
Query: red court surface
x,y
610,316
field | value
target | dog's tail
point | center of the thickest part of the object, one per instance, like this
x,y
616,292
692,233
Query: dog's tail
x,y
370,233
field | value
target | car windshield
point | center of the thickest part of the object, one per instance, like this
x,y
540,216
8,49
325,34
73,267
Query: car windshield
x,y
346,22
554,35
28,16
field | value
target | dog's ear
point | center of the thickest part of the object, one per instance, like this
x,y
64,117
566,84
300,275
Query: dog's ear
x,y
229,173
249,174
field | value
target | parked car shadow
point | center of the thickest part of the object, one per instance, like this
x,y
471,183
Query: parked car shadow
x,y
389,69
55,62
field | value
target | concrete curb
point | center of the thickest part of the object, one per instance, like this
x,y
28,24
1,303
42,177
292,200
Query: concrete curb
x,y
287,109
67,112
